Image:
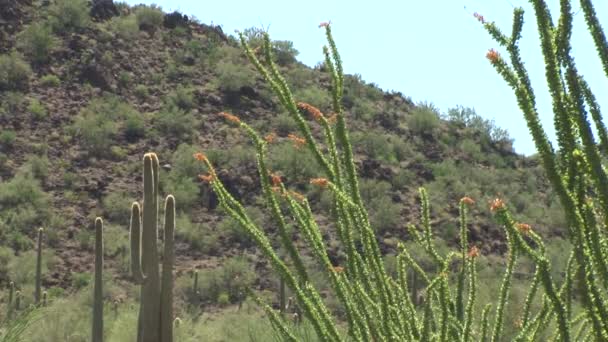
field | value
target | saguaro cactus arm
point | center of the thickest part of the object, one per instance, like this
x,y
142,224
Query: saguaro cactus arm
x,y
166,298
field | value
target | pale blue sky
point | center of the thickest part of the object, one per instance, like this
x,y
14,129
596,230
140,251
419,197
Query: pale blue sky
x,y
431,50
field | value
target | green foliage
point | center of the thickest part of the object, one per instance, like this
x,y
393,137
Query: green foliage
x,y
125,27
182,97
14,72
116,206
37,42
100,122
7,139
176,122
467,117
149,18
50,81
69,15
232,76
424,119
201,237
23,205
37,109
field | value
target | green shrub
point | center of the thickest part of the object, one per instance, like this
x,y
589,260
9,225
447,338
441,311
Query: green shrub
x,y
182,97
149,18
175,122
37,109
284,124
50,81
23,205
100,122
37,166
14,72
7,139
231,77
201,237
424,119
141,91
125,27
134,126
117,206
37,42
69,15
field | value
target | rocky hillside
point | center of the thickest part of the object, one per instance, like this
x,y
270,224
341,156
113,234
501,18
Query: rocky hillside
x,y
87,89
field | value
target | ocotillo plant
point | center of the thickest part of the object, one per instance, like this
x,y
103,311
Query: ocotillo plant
x,y
97,329
38,291
378,307
155,322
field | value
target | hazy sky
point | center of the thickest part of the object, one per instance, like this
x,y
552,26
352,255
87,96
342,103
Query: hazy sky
x,y
431,50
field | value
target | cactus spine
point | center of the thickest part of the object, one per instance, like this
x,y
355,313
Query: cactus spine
x,y
97,333
37,293
155,323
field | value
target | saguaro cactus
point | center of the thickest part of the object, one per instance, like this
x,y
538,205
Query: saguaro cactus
x,y
9,305
37,293
97,333
155,322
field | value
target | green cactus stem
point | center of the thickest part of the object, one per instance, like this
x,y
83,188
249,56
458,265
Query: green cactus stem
x,y
97,332
44,298
17,300
37,293
155,322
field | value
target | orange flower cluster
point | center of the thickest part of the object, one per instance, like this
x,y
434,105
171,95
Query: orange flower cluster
x,y
497,204
493,56
206,178
338,269
467,200
200,157
230,117
298,196
298,141
271,137
479,17
314,111
473,252
276,179
322,182
523,228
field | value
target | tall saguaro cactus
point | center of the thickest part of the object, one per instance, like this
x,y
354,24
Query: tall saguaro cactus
x,y
155,322
97,334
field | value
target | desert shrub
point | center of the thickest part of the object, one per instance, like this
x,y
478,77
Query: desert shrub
x,y
37,109
182,163
37,42
233,278
100,122
7,139
314,96
201,237
231,77
23,205
37,166
141,91
374,144
182,97
424,119
117,206
14,72
363,110
50,81
125,27
185,190
284,124
297,164
233,231
149,18
69,15
176,122
134,125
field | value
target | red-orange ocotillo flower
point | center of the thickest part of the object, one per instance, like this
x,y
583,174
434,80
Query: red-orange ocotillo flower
x,y
232,118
